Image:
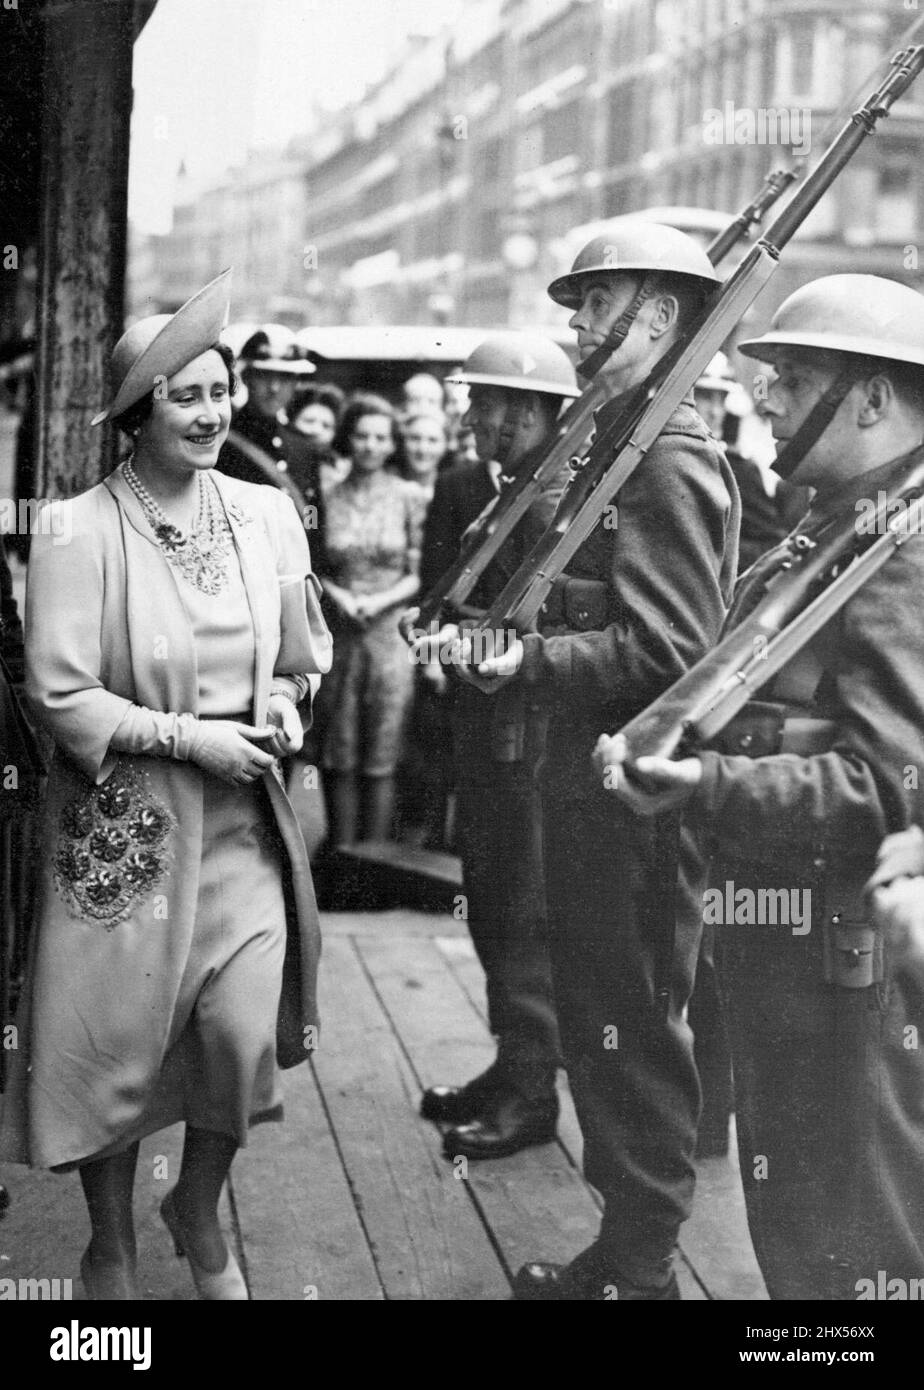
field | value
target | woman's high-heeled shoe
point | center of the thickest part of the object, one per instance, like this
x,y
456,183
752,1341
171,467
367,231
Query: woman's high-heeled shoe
x,y
227,1285
108,1282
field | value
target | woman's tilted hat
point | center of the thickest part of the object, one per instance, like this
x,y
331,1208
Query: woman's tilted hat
x,y
155,348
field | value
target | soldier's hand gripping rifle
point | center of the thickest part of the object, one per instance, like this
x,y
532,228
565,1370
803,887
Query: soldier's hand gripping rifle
x,y
622,442
820,577
503,514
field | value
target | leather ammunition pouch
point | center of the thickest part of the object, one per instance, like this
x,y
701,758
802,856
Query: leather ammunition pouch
x,y
576,605
764,728
518,734
853,956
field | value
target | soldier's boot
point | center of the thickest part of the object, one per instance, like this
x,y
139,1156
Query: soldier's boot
x,y
521,1111
456,1105
510,1122
590,1277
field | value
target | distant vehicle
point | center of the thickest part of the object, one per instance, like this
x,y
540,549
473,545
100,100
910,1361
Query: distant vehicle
x,y
381,358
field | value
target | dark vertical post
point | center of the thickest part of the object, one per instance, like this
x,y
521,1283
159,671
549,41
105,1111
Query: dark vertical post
x,y
82,237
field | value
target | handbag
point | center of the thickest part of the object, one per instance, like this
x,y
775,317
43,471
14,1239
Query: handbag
x,y
305,643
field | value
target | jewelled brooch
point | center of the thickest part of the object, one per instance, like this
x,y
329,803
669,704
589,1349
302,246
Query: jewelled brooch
x,y
111,849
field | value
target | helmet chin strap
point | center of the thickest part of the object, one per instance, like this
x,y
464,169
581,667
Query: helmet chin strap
x,y
614,340
819,417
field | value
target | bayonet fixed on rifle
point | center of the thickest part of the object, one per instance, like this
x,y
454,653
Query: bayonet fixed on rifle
x,y
503,514
622,443
820,578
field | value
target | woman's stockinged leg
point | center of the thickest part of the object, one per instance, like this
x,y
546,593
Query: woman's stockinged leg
x,y
207,1158
341,796
109,1262
378,806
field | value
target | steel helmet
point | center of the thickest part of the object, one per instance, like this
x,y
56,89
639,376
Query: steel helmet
x,y
718,376
522,361
273,348
632,244
864,314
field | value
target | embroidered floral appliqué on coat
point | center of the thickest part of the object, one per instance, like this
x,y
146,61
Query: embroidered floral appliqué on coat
x,y
111,847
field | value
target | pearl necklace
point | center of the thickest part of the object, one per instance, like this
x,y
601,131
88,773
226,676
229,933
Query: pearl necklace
x,y
200,555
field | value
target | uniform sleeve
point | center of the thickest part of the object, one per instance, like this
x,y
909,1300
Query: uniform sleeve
x,y
869,784
440,541
671,558
64,605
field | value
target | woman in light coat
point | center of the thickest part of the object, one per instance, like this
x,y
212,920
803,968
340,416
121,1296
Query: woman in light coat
x,y
170,633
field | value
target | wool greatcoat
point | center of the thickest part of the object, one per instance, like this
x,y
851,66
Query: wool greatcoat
x,y
497,746
107,628
824,1022
642,600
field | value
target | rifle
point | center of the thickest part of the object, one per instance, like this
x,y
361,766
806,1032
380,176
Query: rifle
x,y
622,442
503,514
820,578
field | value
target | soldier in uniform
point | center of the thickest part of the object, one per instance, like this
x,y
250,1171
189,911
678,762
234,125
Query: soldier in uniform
x,y
762,524
517,383
641,601
260,448
795,796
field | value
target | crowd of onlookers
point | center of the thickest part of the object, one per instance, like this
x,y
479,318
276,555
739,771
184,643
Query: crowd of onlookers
x,y
379,733
378,742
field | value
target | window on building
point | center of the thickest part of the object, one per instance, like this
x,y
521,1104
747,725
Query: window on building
x,y
640,97
562,132
801,56
382,194
486,233
530,147
621,198
486,66
616,115
895,204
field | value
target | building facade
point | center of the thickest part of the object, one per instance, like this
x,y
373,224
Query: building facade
x,y
449,193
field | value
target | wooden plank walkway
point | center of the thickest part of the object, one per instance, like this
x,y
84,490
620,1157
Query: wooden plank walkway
x,y
351,1198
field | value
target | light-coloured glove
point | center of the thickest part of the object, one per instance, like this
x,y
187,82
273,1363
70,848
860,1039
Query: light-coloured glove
x,y
282,713
224,748
230,751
